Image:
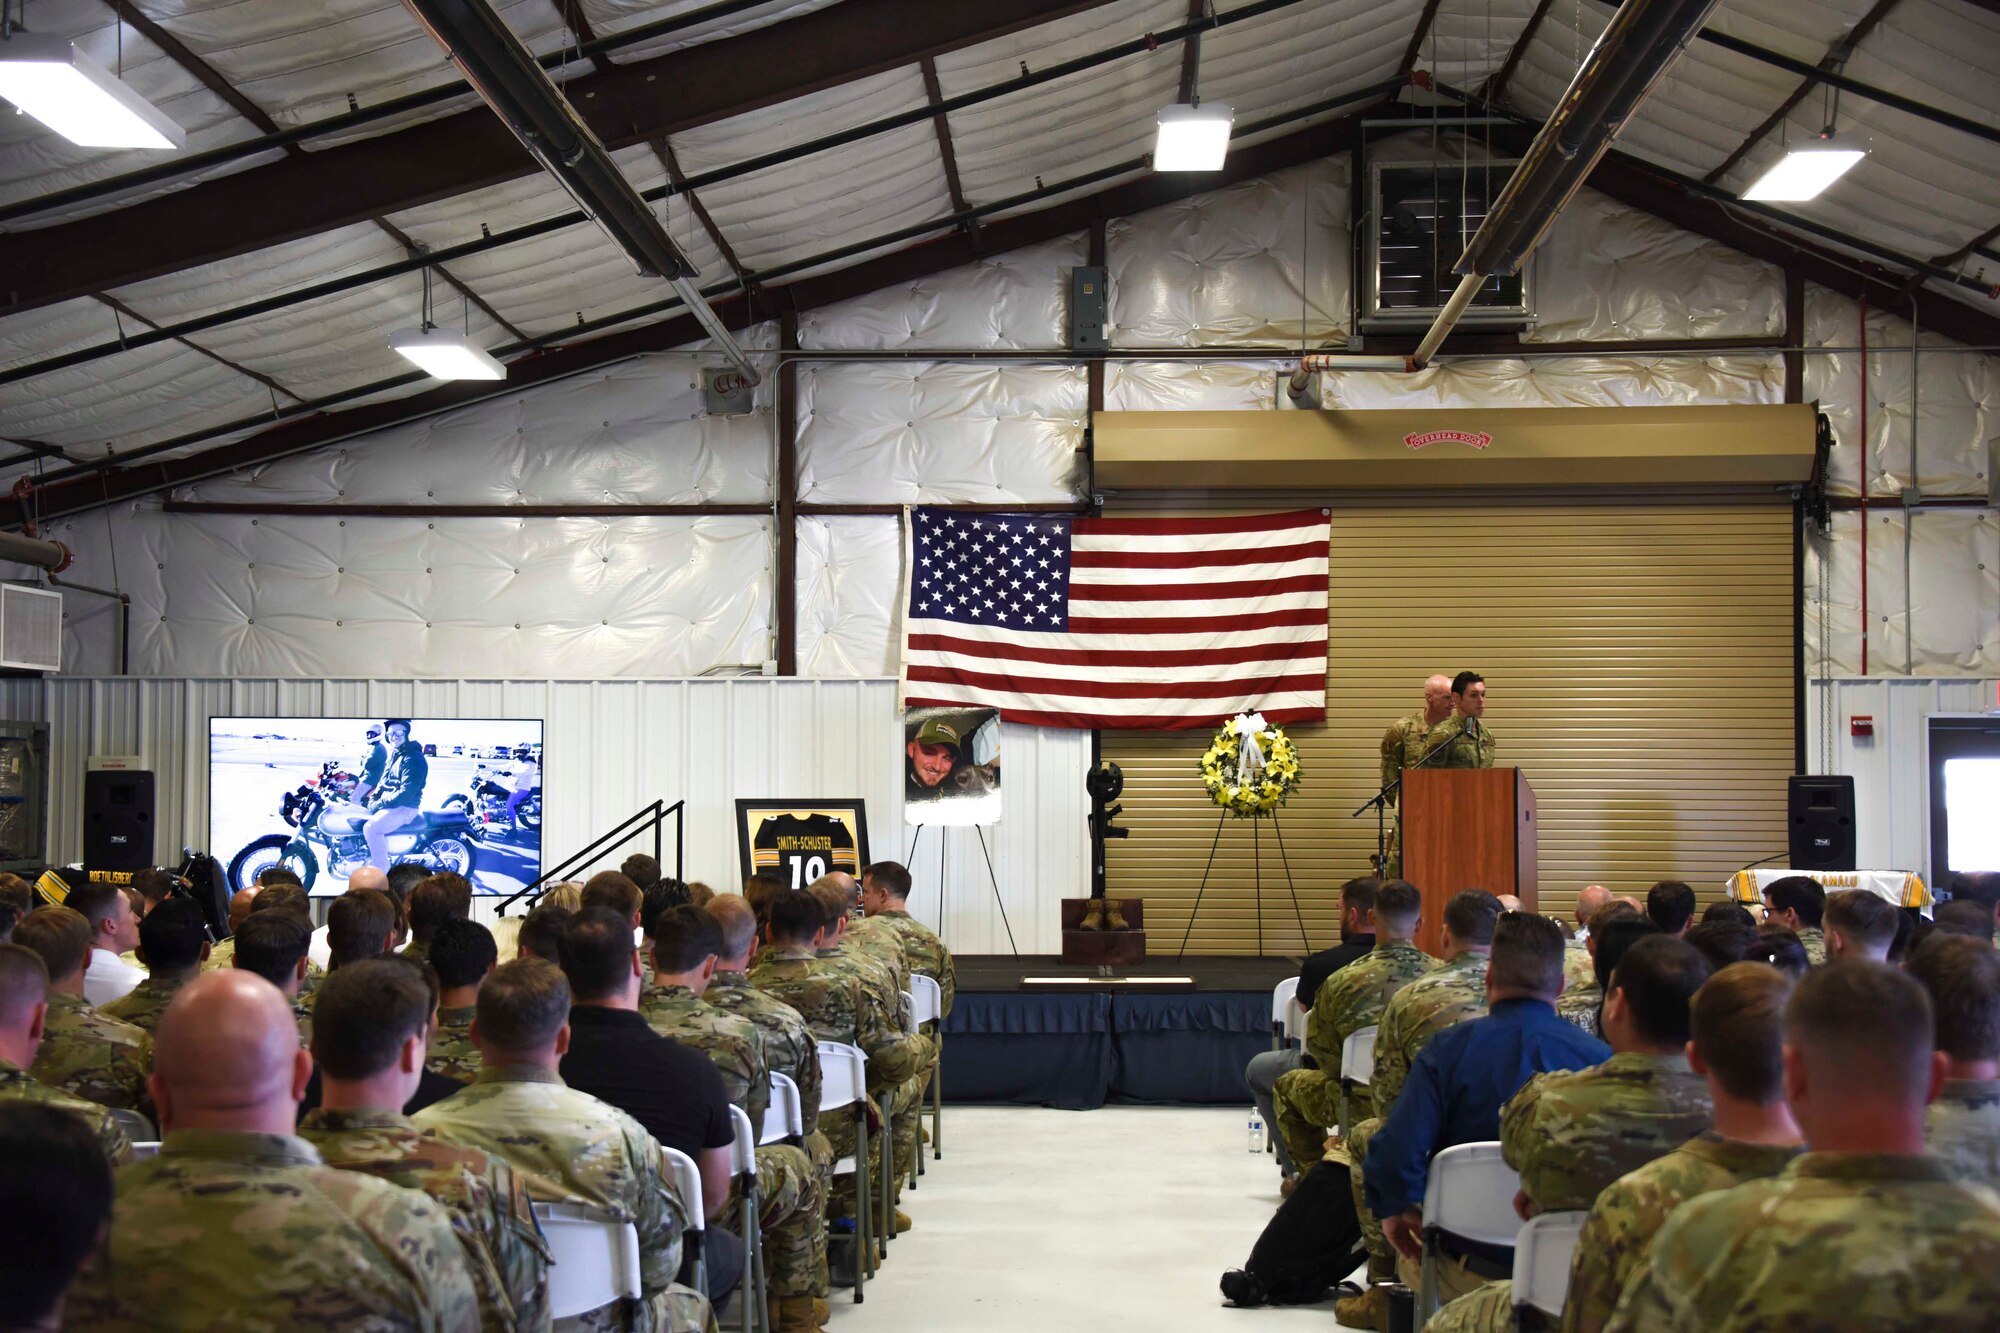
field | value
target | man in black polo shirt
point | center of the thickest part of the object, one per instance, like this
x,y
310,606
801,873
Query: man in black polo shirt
x,y
671,1090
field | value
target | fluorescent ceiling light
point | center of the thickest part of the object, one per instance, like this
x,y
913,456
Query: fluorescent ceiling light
x,y
446,355
57,84
1807,168
1192,138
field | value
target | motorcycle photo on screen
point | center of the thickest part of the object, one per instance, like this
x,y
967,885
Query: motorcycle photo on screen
x,y
327,836
502,800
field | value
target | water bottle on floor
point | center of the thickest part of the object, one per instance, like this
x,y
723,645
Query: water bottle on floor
x,y
1256,1131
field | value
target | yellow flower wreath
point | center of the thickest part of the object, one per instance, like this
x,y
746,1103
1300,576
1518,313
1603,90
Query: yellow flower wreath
x,y
1250,796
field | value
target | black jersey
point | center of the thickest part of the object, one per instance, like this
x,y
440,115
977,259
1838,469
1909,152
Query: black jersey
x,y
803,849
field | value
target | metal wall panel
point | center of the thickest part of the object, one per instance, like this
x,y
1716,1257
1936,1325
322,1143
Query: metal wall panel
x,y
1639,661
614,746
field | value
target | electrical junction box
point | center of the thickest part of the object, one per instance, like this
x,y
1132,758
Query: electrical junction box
x,y
1089,309
725,393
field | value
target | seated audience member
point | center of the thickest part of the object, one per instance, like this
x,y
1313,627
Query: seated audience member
x,y
1978,886
1964,917
361,878
541,931
1859,924
1962,1127
84,1052
1728,912
1738,1047
566,1144
114,930
1670,905
24,995
360,925
1782,949
1723,941
1442,998
224,953
1308,1099
1798,903
885,893
1459,1080
298,1243
614,892
55,1200
789,1045
273,945
762,889
566,894
17,891
1576,950
1865,1231
652,902
642,870
10,917
463,955
173,943
436,899
686,945
369,1030
279,874
879,960
432,1087
697,894
1580,1004
154,886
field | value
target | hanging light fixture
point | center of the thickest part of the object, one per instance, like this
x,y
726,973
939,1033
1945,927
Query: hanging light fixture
x,y
442,353
1191,136
49,78
1808,167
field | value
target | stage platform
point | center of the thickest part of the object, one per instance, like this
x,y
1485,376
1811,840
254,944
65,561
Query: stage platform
x,y
1040,1032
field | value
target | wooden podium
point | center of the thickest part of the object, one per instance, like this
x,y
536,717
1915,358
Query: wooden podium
x,y
1466,828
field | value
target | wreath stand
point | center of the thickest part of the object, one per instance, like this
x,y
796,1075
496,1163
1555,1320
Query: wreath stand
x,y
1257,872
944,847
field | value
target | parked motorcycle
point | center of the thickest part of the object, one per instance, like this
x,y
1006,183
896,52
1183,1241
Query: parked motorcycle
x,y
484,803
327,835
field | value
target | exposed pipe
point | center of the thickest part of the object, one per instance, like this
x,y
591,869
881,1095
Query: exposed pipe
x,y
1461,297
507,79
50,555
1863,318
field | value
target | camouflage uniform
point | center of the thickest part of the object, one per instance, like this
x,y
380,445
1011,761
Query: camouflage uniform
x,y
1572,1132
1580,1006
1815,941
88,1055
1452,993
144,1003
1461,750
568,1146
17,1086
788,1043
729,1042
221,954
1962,1128
503,1249
926,952
908,1103
1308,1100
252,1231
883,944
1402,747
1579,968
1836,1241
451,1051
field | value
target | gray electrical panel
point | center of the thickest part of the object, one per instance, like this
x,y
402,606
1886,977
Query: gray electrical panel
x,y
1088,309
24,796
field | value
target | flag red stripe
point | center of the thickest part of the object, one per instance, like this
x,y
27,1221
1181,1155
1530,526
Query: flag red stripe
x,y
1107,689
1190,592
1087,657
1189,527
1032,718
1195,558
1192,624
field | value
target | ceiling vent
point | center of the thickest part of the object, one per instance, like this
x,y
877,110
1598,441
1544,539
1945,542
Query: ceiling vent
x,y
31,628
1423,216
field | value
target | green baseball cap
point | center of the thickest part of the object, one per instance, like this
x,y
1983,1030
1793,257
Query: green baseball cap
x,y
937,731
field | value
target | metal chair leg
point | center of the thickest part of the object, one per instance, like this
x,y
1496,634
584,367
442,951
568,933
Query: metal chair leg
x,y
937,1105
888,1177
752,1293
864,1249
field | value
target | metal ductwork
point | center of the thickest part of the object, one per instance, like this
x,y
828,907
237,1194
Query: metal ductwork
x,y
52,556
506,76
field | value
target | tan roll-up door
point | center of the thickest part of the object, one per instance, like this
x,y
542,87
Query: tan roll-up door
x,y
1639,668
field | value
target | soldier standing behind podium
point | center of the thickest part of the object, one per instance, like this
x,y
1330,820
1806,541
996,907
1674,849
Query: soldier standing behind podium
x,y
1402,747
1464,737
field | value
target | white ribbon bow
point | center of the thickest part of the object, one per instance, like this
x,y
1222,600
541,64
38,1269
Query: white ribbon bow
x,y
1250,761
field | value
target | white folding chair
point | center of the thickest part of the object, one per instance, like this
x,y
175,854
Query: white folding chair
x,y
1470,1195
594,1257
1357,1067
1542,1254
687,1181
1288,1016
743,1167
144,1150
930,1009
784,1115
136,1126
844,1085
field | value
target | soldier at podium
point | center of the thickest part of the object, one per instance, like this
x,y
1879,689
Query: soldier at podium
x,y
1402,747
1464,737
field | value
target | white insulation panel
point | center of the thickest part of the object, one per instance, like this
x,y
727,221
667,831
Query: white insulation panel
x,y
613,747
1933,594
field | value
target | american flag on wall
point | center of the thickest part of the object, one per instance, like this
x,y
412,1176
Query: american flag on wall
x,y
1116,622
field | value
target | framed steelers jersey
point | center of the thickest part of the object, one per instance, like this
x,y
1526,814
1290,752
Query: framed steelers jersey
x,y
802,840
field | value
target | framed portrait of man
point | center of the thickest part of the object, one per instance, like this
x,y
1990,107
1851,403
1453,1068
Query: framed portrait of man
x,y
951,766
802,840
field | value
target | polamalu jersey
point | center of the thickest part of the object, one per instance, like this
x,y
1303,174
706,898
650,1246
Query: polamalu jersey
x,y
804,849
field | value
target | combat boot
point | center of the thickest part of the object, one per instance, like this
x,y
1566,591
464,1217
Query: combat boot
x,y
903,1222
1113,918
795,1315
1368,1310
1093,915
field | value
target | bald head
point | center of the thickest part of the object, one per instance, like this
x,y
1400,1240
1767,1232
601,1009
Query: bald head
x,y
1509,903
226,1056
1437,698
1588,899
239,906
368,877
1627,900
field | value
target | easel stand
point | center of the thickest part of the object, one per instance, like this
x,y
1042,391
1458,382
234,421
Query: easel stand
x,y
944,849
1257,872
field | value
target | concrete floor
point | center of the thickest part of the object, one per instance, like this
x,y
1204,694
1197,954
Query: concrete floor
x,y
1045,1221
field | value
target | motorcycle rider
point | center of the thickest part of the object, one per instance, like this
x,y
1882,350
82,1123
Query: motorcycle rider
x,y
527,780
371,768
397,801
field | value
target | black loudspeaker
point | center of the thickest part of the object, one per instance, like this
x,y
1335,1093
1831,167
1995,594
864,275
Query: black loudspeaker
x,y
117,819
1821,823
